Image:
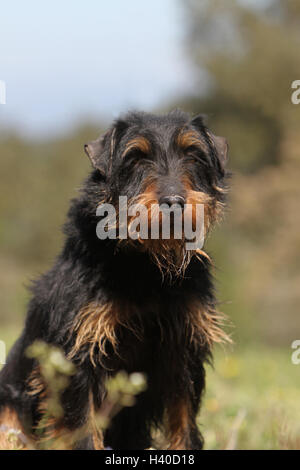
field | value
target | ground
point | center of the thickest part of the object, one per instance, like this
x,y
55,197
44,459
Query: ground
x,y
251,401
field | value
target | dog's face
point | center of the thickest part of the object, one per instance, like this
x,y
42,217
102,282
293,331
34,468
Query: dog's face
x,y
155,160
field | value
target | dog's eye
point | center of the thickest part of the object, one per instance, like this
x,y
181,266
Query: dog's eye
x,y
194,153
135,154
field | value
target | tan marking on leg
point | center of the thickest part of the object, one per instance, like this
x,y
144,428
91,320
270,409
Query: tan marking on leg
x,y
178,425
97,433
12,436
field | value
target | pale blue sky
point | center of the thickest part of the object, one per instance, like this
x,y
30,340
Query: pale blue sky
x,y
66,60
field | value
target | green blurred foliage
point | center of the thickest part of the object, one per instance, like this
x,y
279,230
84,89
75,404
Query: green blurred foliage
x,y
37,181
251,58
251,400
248,57
38,178
55,370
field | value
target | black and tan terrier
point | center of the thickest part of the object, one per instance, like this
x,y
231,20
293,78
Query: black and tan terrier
x,y
135,305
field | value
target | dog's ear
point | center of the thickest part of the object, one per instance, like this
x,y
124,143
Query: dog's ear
x,y
94,149
101,150
220,143
199,121
98,152
221,146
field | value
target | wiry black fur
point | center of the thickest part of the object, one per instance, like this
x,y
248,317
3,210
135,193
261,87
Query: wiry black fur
x,y
90,270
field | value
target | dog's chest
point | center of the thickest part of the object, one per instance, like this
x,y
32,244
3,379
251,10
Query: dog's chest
x,y
146,335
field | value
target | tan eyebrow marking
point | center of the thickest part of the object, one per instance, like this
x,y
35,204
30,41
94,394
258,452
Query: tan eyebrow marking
x,y
186,139
139,143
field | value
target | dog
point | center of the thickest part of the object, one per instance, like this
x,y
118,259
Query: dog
x,y
134,305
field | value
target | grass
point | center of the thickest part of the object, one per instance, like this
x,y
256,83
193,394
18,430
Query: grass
x,y
251,401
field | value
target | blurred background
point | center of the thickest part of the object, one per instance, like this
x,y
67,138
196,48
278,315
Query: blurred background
x,y
72,67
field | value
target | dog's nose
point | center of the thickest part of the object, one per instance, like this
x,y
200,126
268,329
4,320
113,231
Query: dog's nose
x,y
170,200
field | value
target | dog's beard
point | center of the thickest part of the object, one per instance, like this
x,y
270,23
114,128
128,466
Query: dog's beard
x,y
171,255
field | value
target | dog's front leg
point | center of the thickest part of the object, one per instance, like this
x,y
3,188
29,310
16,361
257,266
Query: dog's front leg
x,y
182,430
74,427
183,407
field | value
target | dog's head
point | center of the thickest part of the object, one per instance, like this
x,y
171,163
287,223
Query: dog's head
x,y
162,163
